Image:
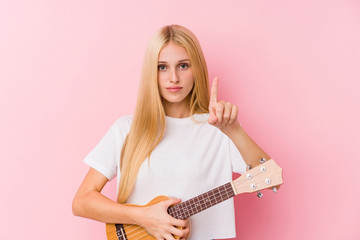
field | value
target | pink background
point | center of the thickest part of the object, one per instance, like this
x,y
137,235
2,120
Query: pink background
x,y
69,69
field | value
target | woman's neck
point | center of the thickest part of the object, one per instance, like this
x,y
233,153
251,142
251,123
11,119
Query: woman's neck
x,y
177,110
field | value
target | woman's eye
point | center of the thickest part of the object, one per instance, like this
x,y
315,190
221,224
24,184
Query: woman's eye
x,y
184,66
162,67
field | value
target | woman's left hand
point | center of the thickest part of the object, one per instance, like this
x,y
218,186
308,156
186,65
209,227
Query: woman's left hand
x,y
223,115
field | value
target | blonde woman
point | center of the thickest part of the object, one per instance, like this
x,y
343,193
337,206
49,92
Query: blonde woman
x,y
180,142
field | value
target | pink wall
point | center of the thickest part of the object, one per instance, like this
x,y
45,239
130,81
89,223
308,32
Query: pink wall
x,y
68,69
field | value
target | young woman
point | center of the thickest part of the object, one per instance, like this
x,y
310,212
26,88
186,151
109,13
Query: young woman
x,y
180,142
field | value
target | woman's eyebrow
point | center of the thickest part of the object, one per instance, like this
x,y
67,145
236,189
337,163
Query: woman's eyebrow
x,y
182,60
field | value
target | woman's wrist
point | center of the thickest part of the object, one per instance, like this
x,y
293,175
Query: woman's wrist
x,y
233,130
134,214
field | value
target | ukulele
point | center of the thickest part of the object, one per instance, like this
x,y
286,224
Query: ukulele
x,y
266,175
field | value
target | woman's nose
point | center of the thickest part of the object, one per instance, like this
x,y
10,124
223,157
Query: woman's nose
x,y
174,77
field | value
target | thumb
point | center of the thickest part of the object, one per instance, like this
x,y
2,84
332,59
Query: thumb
x,y
212,118
172,201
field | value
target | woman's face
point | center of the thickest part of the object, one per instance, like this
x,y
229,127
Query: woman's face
x,y
175,75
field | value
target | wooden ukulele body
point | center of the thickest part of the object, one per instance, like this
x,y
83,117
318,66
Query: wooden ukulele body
x,y
132,232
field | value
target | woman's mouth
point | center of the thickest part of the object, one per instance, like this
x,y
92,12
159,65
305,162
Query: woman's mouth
x,y
174,89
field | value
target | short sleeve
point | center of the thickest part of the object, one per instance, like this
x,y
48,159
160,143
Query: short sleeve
x,y
104,157
237,161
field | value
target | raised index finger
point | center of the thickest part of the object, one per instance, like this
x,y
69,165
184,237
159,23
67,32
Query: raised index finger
x,y
214,90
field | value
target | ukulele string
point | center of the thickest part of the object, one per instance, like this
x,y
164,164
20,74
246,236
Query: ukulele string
x,y
206,200
127,236
138,237
137,227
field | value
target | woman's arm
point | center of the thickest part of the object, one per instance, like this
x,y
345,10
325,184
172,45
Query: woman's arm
x,y
90,203
223,115
249,150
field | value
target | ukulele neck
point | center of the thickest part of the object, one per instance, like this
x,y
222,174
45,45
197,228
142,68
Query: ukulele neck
x,y
204,201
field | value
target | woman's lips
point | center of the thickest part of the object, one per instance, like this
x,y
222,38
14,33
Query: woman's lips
x,y
174,89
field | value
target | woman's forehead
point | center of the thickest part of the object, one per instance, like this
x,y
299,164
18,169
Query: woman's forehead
x,y
173,53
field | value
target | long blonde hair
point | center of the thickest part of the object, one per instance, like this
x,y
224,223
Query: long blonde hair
x,y
148,124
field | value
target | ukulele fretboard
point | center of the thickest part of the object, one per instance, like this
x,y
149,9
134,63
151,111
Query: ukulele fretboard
x,y
197,204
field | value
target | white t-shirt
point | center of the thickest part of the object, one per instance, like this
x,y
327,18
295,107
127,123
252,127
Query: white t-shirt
x,y
191,159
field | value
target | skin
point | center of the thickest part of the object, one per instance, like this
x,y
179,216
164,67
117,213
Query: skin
x,y
175,70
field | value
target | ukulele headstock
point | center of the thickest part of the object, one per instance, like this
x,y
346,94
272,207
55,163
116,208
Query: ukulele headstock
x,y
266,175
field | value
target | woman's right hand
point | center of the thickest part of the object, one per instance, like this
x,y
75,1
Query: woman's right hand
x,y
160,224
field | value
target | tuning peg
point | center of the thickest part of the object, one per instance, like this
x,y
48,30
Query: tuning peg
x,y
248,167
262,160
274,189
259,194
